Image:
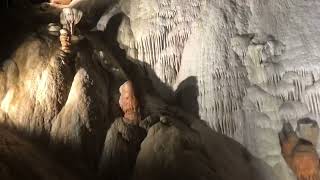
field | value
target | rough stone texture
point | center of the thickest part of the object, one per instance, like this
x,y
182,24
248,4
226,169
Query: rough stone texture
x,y
300,155
74,115
253,64
22,160
288,141
65,40
33,98
63,2
129,103
245,88
305,162
174,150
122,145
308,129
53,103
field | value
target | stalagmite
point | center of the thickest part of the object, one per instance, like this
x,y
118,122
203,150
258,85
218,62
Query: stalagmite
x,y
129,102
122,143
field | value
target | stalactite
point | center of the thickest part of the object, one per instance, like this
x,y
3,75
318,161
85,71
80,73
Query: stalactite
x,y
312,98
165,46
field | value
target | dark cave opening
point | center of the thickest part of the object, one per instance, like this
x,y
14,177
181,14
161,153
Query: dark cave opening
x,y
110,40
111,34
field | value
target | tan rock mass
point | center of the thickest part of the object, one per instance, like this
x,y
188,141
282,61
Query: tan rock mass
x,y
64,2
305,162
301,155
129,103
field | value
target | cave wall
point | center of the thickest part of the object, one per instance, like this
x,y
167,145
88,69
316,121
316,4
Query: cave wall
x,y
60,106
243,66
203,39
252,63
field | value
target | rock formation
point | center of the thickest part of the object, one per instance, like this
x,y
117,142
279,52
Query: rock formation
x,y
65,40
129,103
121,149
123,139
305,162
308,130
62,2
300,154
72,106
244,67
21,159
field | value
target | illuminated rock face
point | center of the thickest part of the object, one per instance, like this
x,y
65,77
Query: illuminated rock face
x,y
129,103
177,40
31,105
64,2
73,117
65,40
254,63
61,105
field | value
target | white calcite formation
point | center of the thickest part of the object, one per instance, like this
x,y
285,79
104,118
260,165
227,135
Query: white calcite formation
x,y
185,45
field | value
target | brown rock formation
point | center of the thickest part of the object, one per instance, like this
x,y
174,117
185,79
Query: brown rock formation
x,y
121,148
122,143
65,40
129,103
300,155
63,2
60,3
288,141
305,161
66,106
